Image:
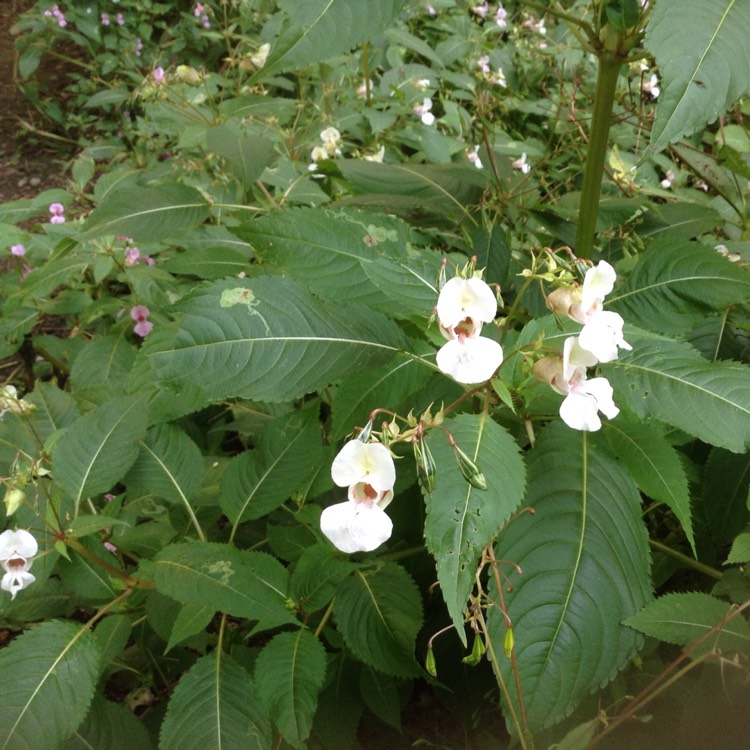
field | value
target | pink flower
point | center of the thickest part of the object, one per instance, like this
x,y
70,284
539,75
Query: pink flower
x,y
120,19
18,250
57,210
105,19
110,547
143,325
199,8
132,255
138,47
158,76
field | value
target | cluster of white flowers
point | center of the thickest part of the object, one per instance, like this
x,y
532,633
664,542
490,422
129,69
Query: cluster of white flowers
x,y
331,147
424,111
17,550
599,340
360,524
463,306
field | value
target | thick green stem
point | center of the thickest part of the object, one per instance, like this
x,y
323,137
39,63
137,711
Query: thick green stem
x,y
609,69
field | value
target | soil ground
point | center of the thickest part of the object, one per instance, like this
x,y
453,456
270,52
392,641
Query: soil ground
x,y
27,166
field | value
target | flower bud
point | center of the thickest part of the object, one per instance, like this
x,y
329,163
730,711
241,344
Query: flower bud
x,y
469,469
430,664
425,466
561,300
14,497
547,368
477,652
508,642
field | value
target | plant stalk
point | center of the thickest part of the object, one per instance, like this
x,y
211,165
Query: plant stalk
x,y
604,98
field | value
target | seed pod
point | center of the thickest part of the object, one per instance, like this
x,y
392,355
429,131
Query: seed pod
x,y
425,466
508,642
430,664
469,469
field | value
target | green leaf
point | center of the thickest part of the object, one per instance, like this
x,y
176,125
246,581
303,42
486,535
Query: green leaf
x,y
379,614
726,489
318,30
740,552
240,583
388,386
49,676
289,673
169,465
655,465
246,155
317,575
256,482
208,262
267,339
105,727
406,189
672,382
54,408
462,520
684,618
585,566
321,247
192,619
112,634
214,706
701,52
97,450
108,359
676,284
382,696
147,213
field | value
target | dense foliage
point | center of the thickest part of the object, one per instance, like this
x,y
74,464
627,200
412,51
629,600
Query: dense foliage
x,y
483,265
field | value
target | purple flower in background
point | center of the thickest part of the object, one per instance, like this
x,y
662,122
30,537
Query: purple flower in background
x,y
18,250
143,325
158,76
57,210
120,19
138,47
105,19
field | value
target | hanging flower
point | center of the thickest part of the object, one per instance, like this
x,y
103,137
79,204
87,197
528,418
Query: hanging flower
x,y
360,524
423,111
143,325
522,164
17,550
602,330
473,156
583,398
462,307
56,213
18,250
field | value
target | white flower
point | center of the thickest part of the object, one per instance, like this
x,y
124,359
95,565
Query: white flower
x,y
483,63
498,78
500,16
423,111
258,59
360,524
602,335
470,359
481,10
463,305
666,183
422,83
331,141
583,398
651,87
473,156
602,331
377,156
17,550
522,164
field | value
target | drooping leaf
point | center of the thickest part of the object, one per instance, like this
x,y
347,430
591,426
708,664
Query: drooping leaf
x,y
672,382
676,284
147,213
106,725
243,584
289,673
112,634
740,552
379,614
684,618
382,696
267,339
214,706
585,566
192,619
256,482
318,30
97,450
49,676
726,493
705,64
340,705
655,466
461,519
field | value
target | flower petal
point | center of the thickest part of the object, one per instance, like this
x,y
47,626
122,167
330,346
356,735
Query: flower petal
x,y
355,527
597,284
602,391
466,298
18,543
470,360
358,462
602,335
575,358
14,581
578,410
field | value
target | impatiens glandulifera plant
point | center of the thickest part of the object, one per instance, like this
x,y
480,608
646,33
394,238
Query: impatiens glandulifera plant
x,y
223,365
